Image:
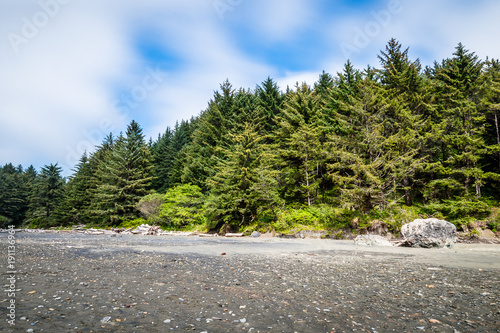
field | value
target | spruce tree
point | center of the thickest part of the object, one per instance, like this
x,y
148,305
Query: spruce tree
x,y
402,85
123,178
178,145
12,194
46,197
373,149
242,183
78,193
299,146
269,104
213,126
460,120
489,104
163,158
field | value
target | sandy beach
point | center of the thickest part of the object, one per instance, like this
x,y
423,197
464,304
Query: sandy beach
x,y
70,282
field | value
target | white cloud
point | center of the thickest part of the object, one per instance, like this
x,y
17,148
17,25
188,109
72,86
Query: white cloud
x,y
291,79
54,87
62,84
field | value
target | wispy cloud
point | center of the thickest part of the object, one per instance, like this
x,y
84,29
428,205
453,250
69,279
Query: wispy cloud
x,y
59,88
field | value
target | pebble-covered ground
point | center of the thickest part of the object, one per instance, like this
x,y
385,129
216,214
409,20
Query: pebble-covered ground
x,y
77,283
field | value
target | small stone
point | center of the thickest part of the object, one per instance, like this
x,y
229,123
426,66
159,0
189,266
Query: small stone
x,y
105,320
255,234
243,320
167,321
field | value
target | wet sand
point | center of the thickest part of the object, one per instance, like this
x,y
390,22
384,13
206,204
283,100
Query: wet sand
x,y
97,283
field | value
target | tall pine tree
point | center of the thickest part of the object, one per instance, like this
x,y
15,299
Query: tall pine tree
x,y
123,178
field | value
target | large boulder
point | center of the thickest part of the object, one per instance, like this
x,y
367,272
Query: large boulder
x,y
429,233
371,240
146,229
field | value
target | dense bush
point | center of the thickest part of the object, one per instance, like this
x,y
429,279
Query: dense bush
x,y
183,206
4,222
133,223
494,220
460,211
315,217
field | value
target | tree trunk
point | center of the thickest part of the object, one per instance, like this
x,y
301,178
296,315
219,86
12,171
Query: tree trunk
x,y
498,135
467,179
307,183
496,126
406,184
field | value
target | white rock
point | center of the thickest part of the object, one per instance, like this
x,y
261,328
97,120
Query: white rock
x,y
429,233
371,240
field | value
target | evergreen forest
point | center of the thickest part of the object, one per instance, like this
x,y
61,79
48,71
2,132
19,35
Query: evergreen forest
x,y
389,143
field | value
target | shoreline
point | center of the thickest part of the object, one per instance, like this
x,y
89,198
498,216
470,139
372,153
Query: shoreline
x,y
72,282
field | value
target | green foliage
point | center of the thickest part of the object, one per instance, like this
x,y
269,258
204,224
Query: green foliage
x,y
300,148
37,223
46,197
15,187
293,218
459,211
388,144
183,206
493,221
123,177
133,223
320,217
243,183
4,222
77,199
396,216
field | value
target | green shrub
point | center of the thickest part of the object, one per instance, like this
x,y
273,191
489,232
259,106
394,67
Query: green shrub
x,y
183,206
291,217
4,222
332,217
460,211
320,217
494,220
42,222
396,216
132,223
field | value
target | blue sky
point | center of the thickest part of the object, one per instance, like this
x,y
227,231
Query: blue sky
x,y
71,71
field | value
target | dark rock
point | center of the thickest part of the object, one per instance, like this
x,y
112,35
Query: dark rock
x,y
429,233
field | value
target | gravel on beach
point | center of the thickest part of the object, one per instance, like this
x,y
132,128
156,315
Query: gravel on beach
x,y
96,283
